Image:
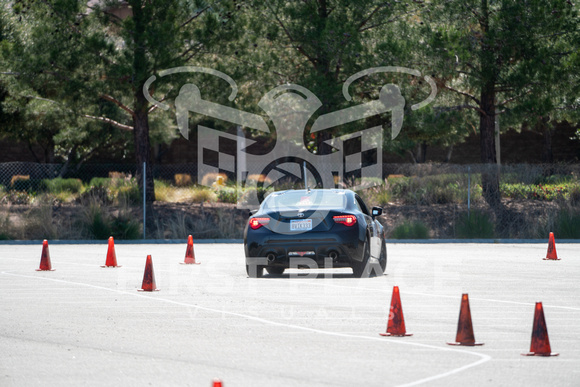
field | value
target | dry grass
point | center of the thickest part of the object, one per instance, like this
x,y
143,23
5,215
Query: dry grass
x,y
211,178
6,227
169,194
182,179
16,178
40,222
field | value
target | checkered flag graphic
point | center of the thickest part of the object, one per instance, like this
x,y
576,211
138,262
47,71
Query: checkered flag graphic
x,y
217,153
361,156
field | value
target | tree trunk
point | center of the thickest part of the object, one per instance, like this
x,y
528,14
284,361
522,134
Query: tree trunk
x,y
141,113
422,152
143,152
546,130
449,153
490,177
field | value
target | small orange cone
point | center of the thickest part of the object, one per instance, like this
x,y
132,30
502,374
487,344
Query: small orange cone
x,y
217,383
111,256
149,277
45,264
189,254
551,255
464,327
540,342
396,324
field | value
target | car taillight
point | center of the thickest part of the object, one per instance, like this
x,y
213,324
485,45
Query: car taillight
x,y
256,223
348,220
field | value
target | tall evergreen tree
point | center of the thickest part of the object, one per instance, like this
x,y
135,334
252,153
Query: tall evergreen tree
x,y
496,53
319,44
94,57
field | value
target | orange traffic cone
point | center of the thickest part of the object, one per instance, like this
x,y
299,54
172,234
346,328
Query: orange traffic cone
x,y
149,277
396,324
464,326
45,264
540,342
111,256
189,254
217,383
551,255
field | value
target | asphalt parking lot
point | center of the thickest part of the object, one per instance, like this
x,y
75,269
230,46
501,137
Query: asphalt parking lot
x,y
83,324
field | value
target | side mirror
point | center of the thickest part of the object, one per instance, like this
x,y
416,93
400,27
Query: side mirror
x,y
377,211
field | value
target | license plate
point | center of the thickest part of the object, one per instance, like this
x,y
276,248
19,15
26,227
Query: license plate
x,y
301,225
300,253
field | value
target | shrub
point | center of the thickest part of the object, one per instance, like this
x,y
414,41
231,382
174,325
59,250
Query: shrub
x,y
5,227
437,189
16,197
162,191
567,225
3,194
97,223
553,179
17,178
129,195
537,192
113,190
377,196
227,194
124,227
183,180
200,195
59,185
119,175
96,194
100,225
25,184
100,182
478,224
574,195
411,230
210,178
41,224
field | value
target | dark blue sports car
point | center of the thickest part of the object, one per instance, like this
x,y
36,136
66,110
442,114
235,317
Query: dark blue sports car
x,y
318,228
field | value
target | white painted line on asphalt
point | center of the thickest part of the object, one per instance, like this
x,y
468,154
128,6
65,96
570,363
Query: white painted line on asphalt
x,y
483,358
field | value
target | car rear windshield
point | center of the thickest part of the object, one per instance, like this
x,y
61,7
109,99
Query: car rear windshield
x,y
312,199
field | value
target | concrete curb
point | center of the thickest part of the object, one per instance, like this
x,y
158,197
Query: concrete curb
x,y
204,241
497,241
121,242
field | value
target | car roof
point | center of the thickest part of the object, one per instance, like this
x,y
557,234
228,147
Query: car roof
x,y
347,192
334,190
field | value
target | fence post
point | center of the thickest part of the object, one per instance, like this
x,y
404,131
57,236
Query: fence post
x,y
144,199
468,192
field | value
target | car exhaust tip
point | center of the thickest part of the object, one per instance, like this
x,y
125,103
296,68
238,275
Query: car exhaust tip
x,y
271,257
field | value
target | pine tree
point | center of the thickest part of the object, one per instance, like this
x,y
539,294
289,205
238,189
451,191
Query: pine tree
x,y
498,53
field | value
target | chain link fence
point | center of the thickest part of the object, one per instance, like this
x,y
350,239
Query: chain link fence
x,y
439,201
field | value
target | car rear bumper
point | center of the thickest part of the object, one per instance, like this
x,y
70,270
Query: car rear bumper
x,y
304,251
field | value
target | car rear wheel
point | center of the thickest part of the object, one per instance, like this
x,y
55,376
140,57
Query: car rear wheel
x,y
275,271
382,261
254,271
360,268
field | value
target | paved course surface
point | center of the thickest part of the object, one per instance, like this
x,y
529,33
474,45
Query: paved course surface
x,y
87,325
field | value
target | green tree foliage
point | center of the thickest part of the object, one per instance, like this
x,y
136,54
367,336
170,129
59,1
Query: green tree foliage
x,y
319,44
496,54
94,57
72,71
